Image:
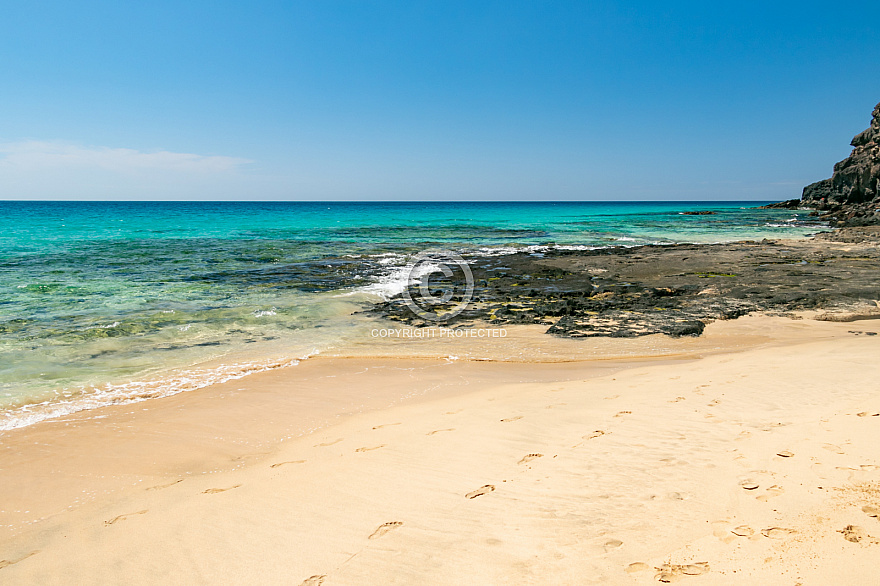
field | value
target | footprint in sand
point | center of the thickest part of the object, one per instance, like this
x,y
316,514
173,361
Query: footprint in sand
x,y
637,567
871,510
440,430
529,458
325,444
480,491
749,485
833,448
288,462
743,531
315,580
589,436
216,490
869,414
123,517
4,563
622,413
509,419
720,530
822,471
785,454
370,449
611,545
776,532
161,486
773,491
673,572
853,533
385,528
384,425
676,400
714,402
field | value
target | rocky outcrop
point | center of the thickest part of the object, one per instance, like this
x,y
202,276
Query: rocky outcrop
x,y
851,197
790,204
673,289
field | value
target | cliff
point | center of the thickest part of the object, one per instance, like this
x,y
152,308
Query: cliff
x,y
851,197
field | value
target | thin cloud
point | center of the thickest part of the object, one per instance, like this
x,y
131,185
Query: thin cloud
x,y
61,170
48,156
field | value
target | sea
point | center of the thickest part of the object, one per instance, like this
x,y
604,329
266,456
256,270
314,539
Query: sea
x,y
115,302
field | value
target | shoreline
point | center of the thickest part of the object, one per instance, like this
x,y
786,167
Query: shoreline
x,y
169,458
308,456
600,274
285,403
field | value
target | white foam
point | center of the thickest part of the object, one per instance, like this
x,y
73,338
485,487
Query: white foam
x,y
395,282
138,391
105,327
386,286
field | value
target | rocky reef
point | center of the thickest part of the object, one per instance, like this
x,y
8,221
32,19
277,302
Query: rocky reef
x,y
851,196
673,290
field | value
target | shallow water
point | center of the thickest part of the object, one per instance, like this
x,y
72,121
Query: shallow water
x,y
103,302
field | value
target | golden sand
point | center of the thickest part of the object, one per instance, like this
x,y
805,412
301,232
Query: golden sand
x,y
746,456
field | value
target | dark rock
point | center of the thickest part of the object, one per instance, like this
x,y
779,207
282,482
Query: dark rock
x,y
819,194
702,213
851,196
853,235
688,328
791,204
673,290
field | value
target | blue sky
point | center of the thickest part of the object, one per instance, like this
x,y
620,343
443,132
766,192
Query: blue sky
x,y
435,100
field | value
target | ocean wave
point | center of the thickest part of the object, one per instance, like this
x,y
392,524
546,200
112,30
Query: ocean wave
x,y
138,391
396,281
795,223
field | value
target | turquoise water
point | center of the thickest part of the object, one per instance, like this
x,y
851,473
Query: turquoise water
x,y
102,302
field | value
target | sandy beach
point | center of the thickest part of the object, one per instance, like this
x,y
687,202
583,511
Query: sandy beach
x,y
439,294
744,456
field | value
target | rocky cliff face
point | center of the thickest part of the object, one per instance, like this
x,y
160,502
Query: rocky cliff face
x,y
851,197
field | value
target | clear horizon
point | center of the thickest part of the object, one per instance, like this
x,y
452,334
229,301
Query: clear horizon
x,y
377,101
401,201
